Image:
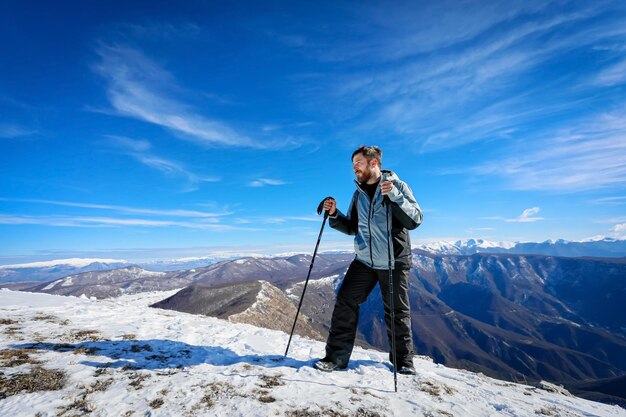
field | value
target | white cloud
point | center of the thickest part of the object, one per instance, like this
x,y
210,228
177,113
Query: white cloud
x,y
459,80
527,216
11,131
613,75
138,150
262,182
134,145
619,229
589,156
610,200
473,230
139,88
123,209
411,96
172,168
87,221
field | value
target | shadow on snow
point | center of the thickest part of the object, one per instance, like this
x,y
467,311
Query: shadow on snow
x,y
167,354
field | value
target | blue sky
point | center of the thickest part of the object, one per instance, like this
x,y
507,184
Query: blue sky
x,y
159,129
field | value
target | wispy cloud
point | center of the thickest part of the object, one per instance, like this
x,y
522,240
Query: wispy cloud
x,y
122,209
139,150
527,216
589,156
11,131
619,228
610,200
138,87
274,220
474,230
262,182
445,91
159,31
86,221
613,75
274,127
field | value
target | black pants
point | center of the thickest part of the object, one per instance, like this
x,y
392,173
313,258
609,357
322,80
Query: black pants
x,y
359,281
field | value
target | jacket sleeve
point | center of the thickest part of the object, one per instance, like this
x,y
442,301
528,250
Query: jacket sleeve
x,y
404,207
347,224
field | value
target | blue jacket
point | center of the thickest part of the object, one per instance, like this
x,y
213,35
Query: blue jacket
x,y
367,220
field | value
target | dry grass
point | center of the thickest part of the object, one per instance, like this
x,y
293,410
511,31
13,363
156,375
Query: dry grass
x,y
15,357
137,380
86,335
8,321
364,392
104,370
45,317
129,336
439,414
430,388
448,389
99,386
303,413
269,382
38,379
140,348
157,403
360,412
265,398
63,347
80,405
547,411
85,351
213,393
12,331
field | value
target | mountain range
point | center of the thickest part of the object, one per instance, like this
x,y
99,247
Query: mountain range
x,y
50,270
604,248
515,317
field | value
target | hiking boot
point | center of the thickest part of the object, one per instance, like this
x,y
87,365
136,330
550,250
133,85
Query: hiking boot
x,y
326,365
407,369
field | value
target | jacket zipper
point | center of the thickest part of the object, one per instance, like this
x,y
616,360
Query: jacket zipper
x,y
369,228
369,223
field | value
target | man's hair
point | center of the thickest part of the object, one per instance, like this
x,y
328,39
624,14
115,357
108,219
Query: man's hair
x,y
370,152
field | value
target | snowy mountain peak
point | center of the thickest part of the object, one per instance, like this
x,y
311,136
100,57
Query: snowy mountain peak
x,y
73,262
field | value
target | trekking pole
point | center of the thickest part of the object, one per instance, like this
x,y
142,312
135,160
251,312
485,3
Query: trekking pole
x,y
391,305
319,211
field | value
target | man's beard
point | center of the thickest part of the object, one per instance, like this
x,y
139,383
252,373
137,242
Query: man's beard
x,y
365,176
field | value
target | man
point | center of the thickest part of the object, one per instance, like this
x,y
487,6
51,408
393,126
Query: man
x,y
377,191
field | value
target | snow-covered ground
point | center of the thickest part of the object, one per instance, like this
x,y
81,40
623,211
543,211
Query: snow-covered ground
x,y
123,358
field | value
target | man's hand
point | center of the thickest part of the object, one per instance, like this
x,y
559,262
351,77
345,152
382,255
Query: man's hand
x,y
385,187
330,205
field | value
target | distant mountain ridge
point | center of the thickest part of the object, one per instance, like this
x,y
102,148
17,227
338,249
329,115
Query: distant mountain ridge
x,y
111,283
506,315
606,247
51,270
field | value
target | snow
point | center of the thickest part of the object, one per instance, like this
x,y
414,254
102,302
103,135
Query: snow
x,y
52,285
75,262
200,365
461,246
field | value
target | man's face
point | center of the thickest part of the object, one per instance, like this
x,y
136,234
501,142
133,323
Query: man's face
x,y
362,169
